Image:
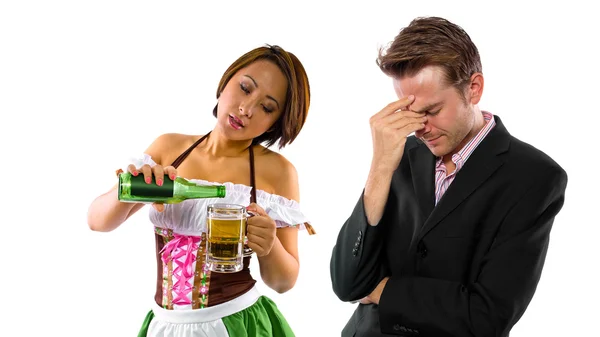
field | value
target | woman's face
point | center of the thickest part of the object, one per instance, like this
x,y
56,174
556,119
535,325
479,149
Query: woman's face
x,y
252,101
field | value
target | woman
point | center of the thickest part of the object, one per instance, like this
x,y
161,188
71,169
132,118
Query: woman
x,y
263,97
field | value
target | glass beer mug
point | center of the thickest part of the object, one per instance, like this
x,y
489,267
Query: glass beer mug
x,y
226,237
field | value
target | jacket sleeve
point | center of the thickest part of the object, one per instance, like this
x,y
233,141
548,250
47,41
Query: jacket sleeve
x,y
356,267
508,276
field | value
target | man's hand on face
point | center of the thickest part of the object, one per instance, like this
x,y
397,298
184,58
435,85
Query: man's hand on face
x,y
389,129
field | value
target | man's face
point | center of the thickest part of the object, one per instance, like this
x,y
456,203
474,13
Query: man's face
x,y
449,118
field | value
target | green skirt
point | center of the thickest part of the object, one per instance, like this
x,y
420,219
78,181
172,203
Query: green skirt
x,y
262,319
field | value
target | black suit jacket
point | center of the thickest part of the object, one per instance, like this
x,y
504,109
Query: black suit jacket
x,y
466,267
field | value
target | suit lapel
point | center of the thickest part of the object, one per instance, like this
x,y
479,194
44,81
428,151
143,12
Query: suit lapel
x,y
480,166
422,165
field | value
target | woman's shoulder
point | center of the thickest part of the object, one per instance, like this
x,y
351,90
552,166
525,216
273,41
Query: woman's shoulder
x,y
168,146
277,171
274,162
172,138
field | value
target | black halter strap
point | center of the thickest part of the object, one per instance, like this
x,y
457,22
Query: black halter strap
x,y
189,150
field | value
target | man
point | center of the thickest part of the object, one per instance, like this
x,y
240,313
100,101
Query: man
x,y
450,234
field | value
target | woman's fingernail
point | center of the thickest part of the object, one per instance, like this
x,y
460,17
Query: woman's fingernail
x,y
159,182
148,180
135,173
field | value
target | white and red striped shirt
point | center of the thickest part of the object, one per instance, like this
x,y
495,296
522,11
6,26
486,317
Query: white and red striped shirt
x,y
442,180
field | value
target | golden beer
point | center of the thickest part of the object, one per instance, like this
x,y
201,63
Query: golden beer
x,y
225,237
226,225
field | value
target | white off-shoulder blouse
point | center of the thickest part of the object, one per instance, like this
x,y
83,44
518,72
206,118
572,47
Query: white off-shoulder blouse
x,y
189,216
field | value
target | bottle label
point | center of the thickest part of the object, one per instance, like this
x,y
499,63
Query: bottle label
x,y
140,188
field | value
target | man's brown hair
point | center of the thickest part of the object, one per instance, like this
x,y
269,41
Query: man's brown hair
x,y
430,41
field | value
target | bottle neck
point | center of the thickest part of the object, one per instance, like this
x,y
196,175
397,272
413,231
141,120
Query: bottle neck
x,y
189,190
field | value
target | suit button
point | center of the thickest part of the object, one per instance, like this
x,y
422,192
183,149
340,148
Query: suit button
x,y
359,234
421,249
354,251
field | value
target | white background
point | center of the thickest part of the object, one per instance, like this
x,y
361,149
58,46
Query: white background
x,y
86,84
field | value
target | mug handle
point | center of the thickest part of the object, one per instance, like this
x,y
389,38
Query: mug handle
x,y
247,250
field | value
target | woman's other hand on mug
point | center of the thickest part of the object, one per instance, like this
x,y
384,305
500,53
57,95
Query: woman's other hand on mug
x,y
261,230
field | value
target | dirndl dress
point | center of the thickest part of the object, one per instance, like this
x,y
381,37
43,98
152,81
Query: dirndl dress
x,y
192,301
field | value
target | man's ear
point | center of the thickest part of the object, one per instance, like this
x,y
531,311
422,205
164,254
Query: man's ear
x,y
475,89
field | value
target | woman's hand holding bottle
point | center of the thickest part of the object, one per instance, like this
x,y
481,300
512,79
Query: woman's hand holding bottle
x,y
156,171
157,185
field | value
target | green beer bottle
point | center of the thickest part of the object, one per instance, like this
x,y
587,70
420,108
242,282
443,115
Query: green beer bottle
x,y
136,190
